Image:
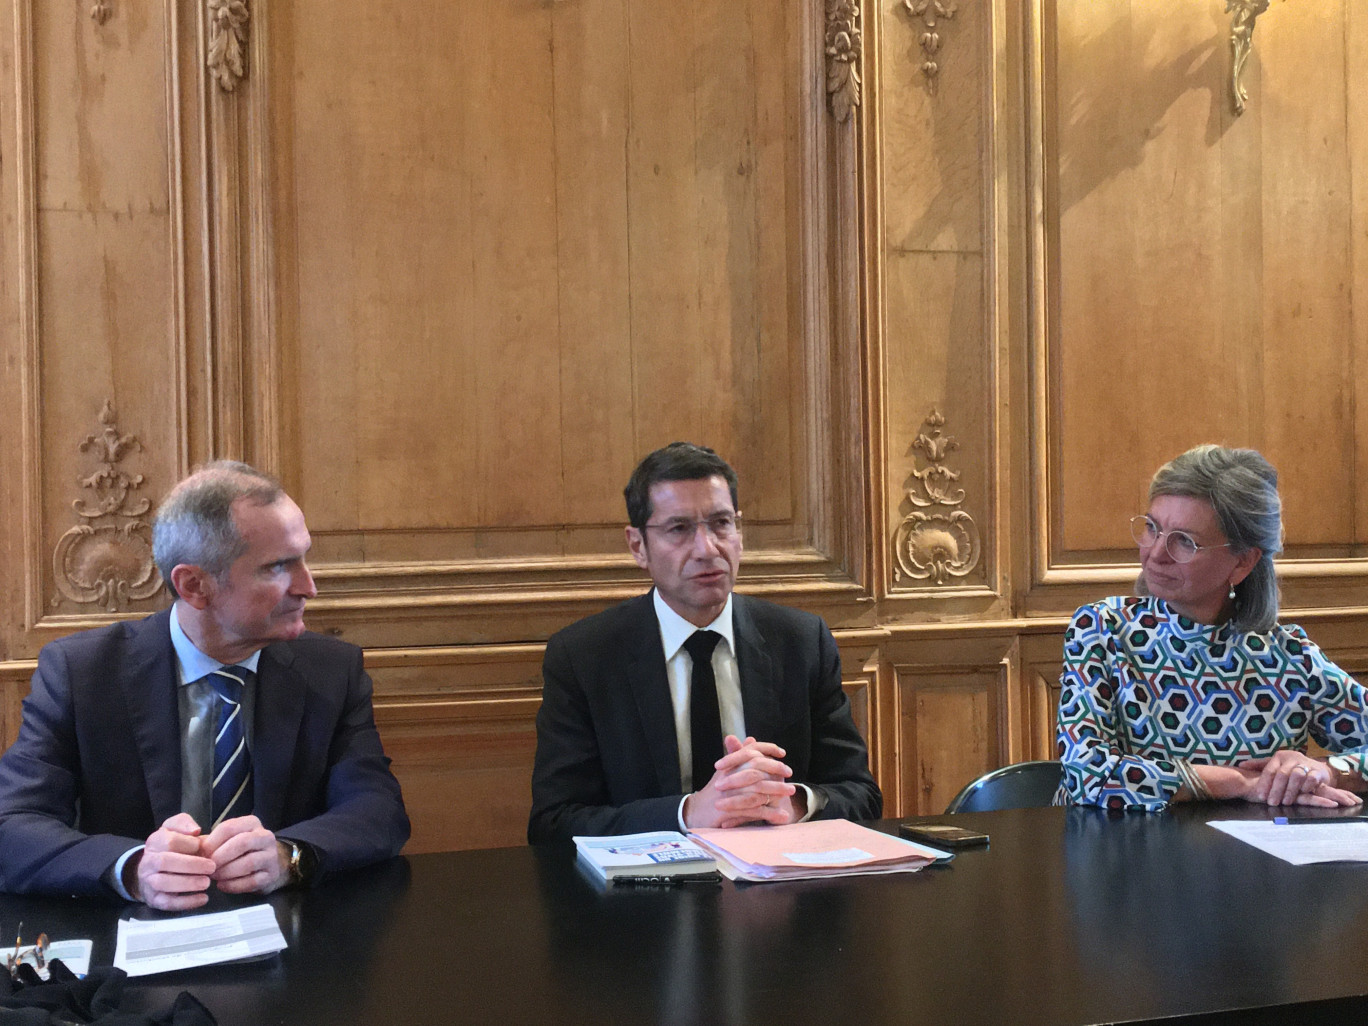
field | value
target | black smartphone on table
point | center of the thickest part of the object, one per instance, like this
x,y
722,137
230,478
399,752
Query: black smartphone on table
x,y
942,835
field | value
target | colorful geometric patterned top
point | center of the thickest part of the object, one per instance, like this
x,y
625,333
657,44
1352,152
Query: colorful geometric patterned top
x,y
1143,687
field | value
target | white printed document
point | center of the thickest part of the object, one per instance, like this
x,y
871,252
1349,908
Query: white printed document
x,y
1302,842
144,947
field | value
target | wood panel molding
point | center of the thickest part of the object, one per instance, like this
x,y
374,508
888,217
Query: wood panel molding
x,y
844,47
106,558
930,13
227,41
943,543
26,300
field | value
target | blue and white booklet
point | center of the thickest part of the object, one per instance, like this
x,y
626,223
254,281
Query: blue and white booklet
x,y
661,854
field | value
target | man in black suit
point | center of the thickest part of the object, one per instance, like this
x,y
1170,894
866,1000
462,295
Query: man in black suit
x,y
214,742
625,744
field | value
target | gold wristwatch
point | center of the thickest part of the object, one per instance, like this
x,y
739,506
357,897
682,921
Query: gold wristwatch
x,y
298,869
1343,766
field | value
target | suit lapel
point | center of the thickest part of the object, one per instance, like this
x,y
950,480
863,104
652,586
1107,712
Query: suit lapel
x,y
148,681
275,726
759,693
650,687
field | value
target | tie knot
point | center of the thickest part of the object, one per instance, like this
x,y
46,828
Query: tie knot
x,y
700,645
228,681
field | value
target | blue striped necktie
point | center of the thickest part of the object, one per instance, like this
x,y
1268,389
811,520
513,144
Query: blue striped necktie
x,y
232,763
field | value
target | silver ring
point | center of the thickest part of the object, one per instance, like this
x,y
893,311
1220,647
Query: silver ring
x,y
1305,769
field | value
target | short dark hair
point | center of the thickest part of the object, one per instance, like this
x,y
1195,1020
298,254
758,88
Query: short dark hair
x,y
678,461
195,524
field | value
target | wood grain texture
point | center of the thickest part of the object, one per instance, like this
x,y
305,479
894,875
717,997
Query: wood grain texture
x,y
452,268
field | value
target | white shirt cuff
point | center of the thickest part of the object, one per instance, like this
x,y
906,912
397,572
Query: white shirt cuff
x,y
815,803
117,882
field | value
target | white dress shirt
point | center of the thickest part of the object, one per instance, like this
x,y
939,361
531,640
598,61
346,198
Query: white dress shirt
x,y
674,631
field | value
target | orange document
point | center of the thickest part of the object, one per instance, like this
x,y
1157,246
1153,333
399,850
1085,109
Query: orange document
x,y
818,848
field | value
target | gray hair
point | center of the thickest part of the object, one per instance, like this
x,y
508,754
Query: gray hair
x,y
195,524
1242,488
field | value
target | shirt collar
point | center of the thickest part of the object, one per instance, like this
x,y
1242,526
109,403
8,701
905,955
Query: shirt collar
x,y
192,663
675,630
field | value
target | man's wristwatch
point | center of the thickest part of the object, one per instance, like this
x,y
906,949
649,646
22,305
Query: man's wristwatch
x,y
301,861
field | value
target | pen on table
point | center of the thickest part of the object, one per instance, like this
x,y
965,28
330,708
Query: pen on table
x,y
667,881
1302,820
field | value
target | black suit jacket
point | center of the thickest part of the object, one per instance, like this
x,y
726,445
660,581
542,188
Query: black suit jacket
x,y
607,756
97,764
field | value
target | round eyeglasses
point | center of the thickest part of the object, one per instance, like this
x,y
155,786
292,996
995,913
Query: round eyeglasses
x,y
1180,545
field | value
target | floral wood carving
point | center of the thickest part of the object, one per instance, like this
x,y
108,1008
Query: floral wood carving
x,y
100,12
844,45
227,41
1242,15
937,540
928,11
107,558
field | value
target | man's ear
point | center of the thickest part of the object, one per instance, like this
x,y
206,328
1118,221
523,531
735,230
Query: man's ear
x,y
193,585
636,545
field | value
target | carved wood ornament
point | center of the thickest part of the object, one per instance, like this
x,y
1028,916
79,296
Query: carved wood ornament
x,y
227,41
929,11
937,540
107,559
1242,15
844,46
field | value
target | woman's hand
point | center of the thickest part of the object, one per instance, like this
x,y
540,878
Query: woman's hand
x,y
1291,778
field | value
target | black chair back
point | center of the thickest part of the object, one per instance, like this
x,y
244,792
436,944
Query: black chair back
x,y
1023,785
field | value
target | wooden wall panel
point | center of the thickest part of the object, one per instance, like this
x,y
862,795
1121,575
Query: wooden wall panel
x,y
433,202
500,273
955,718
14,685
1356,139
952,695
99,283
1207,261
935,284
452,268
1307,289
1042,661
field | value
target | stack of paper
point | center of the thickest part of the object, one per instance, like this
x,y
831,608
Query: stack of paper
x,y
803,851
660,855
157,946
1302,842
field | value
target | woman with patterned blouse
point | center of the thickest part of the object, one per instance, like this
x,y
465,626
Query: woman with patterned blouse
x,y
1193,690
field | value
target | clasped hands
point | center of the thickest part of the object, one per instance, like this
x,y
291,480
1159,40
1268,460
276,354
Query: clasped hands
x,y
1283,778
175,867
749,785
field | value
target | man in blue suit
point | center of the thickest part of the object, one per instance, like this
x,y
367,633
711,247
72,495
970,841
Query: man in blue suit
x,y
137,772
623,742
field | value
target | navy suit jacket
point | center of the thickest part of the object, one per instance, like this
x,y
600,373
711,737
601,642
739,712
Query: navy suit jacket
x,y
97,764
607,755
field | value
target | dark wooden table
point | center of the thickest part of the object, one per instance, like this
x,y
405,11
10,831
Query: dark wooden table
x,y
1069,917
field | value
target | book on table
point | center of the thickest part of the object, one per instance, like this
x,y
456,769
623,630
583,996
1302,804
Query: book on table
x,y
659,854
